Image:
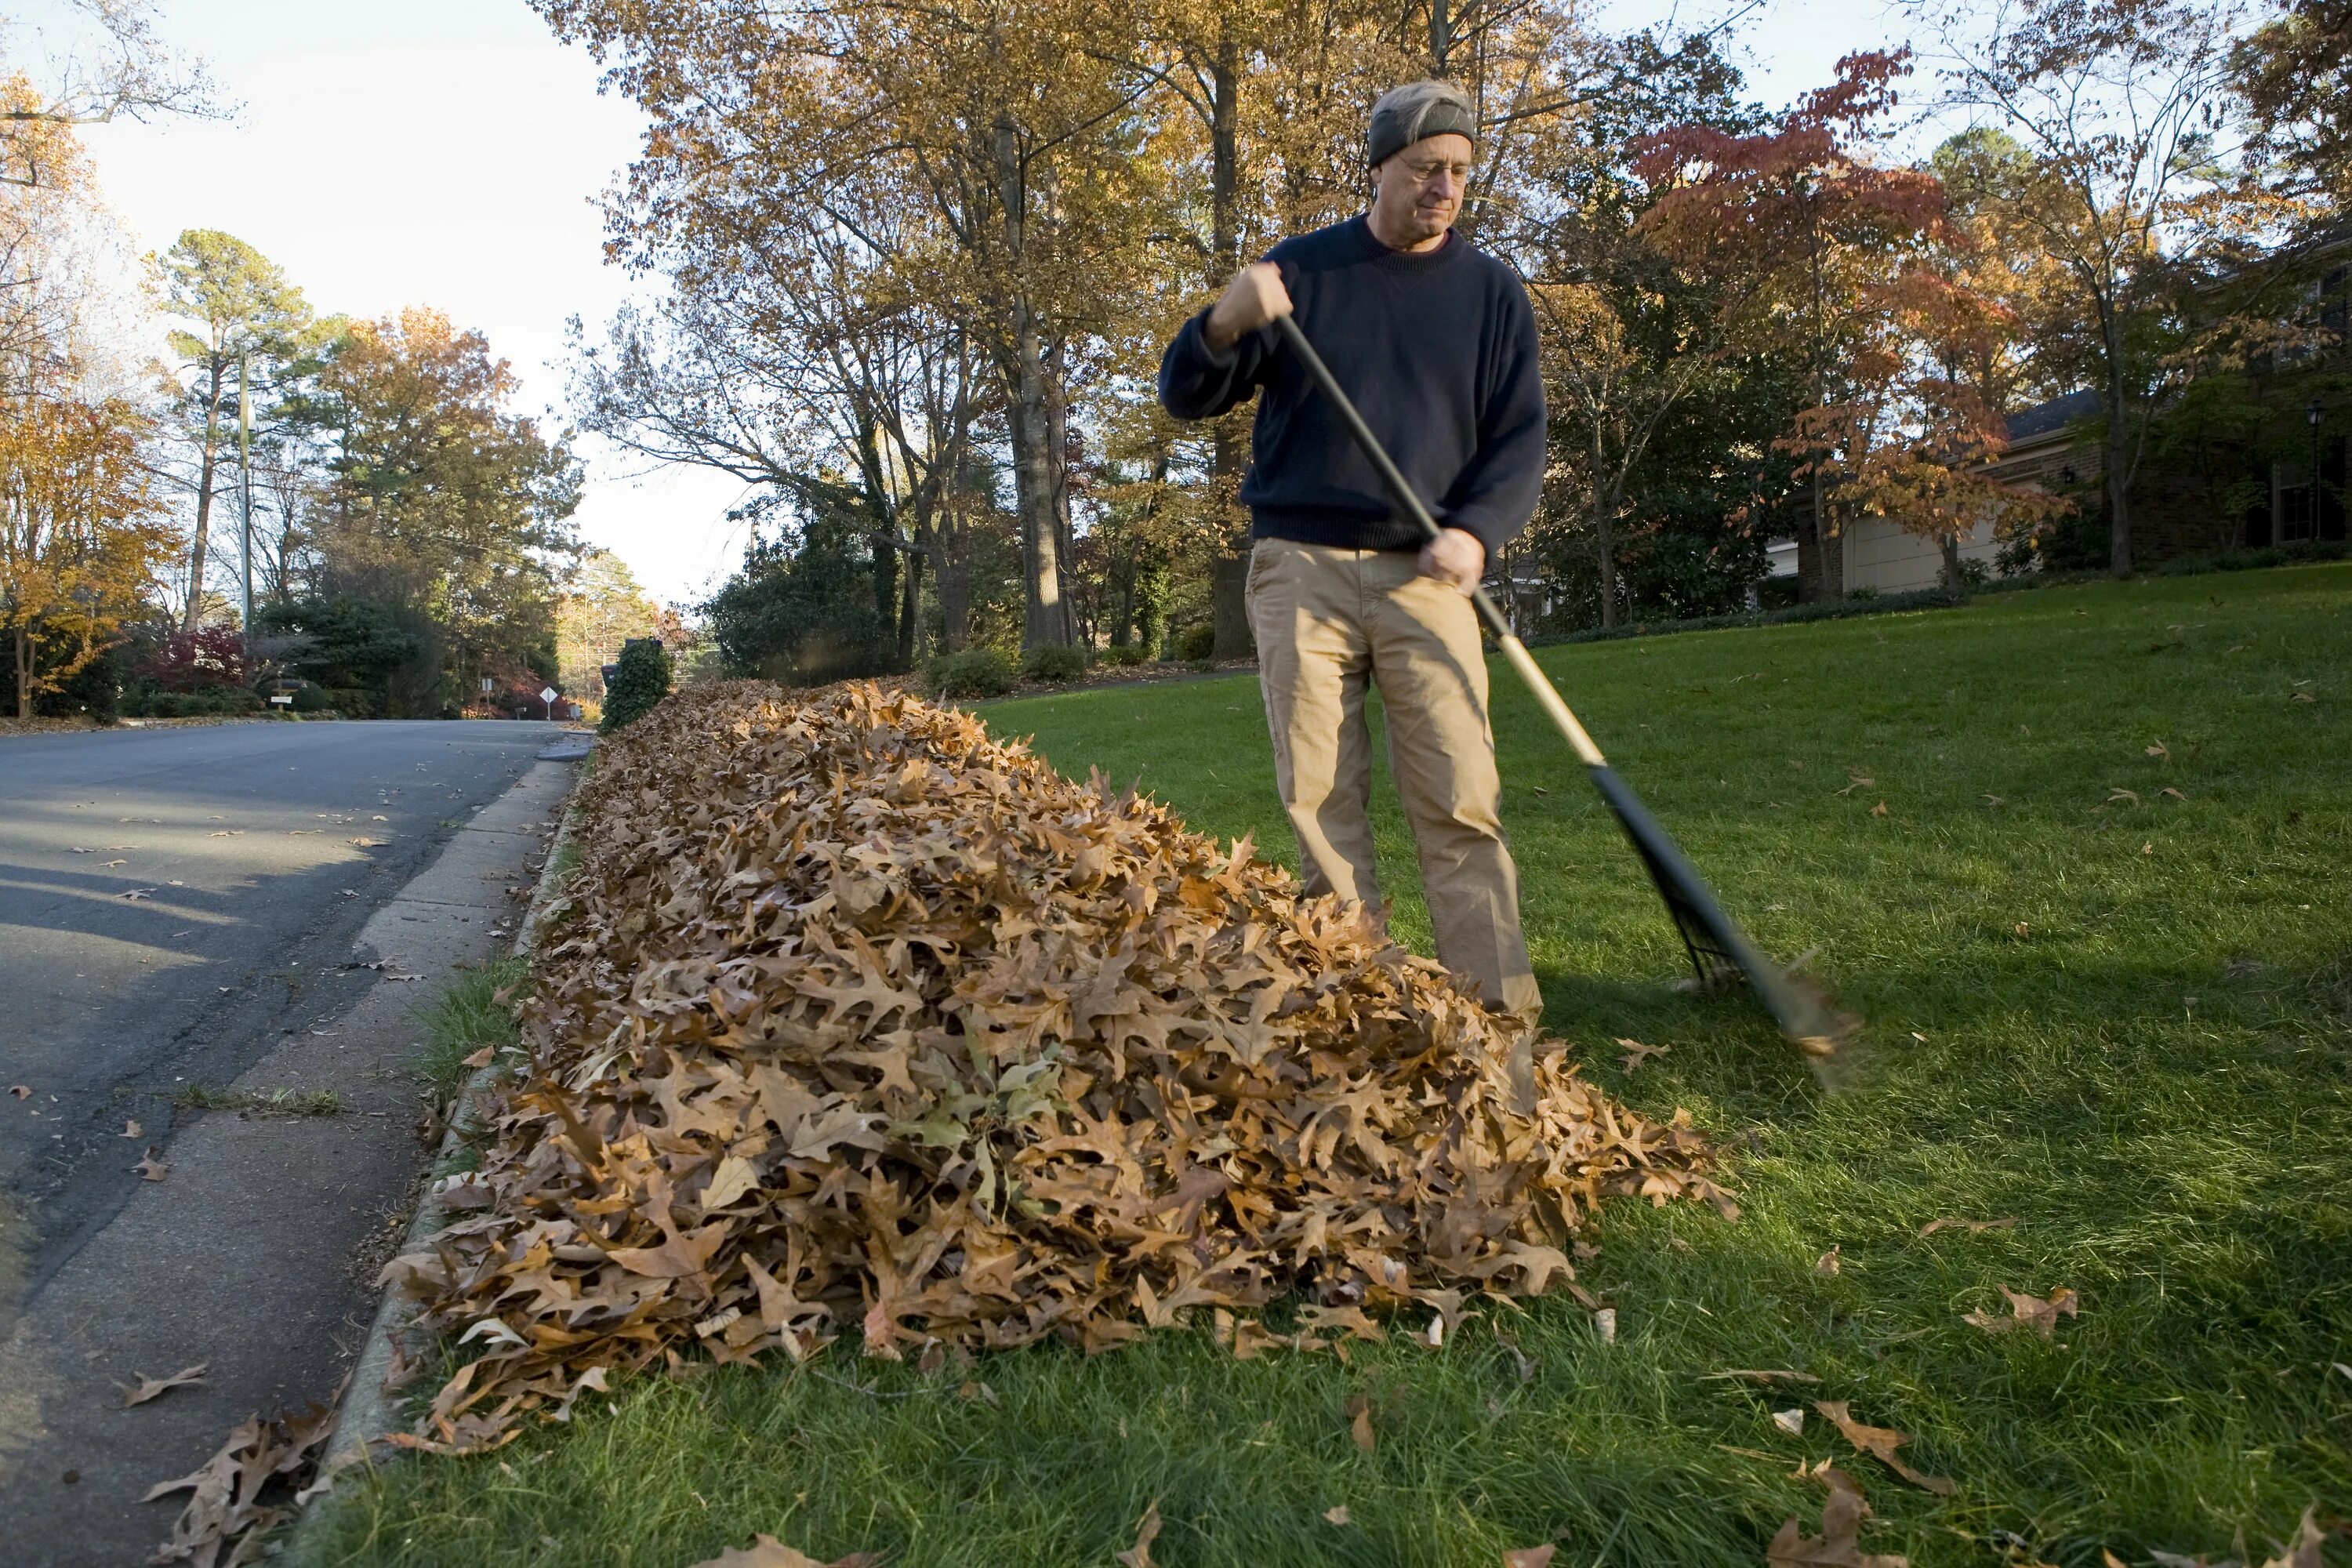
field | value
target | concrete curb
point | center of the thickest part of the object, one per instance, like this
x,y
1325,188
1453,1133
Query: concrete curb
x,y
368,1412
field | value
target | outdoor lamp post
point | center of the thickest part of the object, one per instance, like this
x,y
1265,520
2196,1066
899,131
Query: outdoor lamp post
x,y
2311,417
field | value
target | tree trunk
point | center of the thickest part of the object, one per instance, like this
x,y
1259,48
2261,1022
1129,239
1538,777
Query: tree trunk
x,y
1820,553
203,498
24,648
1066,541
909,610
1035,462
1949,544
1228,573
2118,474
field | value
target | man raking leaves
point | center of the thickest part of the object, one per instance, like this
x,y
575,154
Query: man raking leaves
x,y
1353,581
1436,343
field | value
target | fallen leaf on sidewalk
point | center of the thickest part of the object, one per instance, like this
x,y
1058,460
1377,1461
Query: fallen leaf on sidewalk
x,y
130,1129
21,1091
151,1169
1147,1530
767,1552
153,1387
225,1509
1838,1545
1880,1443
2028,1312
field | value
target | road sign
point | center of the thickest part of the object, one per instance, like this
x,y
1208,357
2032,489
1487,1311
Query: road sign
x,y
282,700
548,694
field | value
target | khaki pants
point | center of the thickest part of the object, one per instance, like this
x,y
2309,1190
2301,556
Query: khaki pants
x,y
1330,624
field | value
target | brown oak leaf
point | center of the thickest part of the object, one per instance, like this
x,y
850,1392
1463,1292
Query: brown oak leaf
x,y
1838,1544
155,1387
1880,1443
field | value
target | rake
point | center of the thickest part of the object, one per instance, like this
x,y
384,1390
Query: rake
x,y
1721,954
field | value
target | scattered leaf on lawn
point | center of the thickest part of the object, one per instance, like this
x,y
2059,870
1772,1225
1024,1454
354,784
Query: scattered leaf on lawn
x,y
2148,847
1857,781
767,1552
2115,795
1880,1443
1147,1530
1791,1420
1878,810
151,1388
1828,1264
1636,1053
1530,1557
1751,1374
1359,1422
1993,800
2171,793
1336,1515
1837,1546
1973,1226
2303,697
2161,750
2028,1312
2305,1549
151,1169
1605,1320
1009,1056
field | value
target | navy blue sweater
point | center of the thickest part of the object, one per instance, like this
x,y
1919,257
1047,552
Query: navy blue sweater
x,y
1437,349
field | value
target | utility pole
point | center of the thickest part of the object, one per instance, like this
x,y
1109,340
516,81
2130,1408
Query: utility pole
x,y
245,490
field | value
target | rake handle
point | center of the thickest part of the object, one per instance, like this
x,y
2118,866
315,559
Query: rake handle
x,y
1546,694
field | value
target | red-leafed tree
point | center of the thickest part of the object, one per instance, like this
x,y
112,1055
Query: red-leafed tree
x,y
1823,242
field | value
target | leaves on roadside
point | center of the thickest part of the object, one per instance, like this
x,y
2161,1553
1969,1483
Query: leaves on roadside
x,y
152,1169
767,1552
20,1091
1147,1530
226,1511
1838,1545
130,1130
1879,1442
858,1022
2028,1312
153,1387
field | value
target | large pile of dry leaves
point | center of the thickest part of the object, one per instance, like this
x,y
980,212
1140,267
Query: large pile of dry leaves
x,y
858,1020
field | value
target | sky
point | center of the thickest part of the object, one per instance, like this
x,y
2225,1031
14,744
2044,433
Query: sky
x,y
450,153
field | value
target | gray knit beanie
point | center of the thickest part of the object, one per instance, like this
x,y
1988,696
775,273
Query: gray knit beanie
x,y
1407,114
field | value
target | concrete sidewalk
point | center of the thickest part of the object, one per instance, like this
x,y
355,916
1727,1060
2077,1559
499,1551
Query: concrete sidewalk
x,y
255,1252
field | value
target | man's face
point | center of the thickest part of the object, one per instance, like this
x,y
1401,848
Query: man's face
x,y
1419,189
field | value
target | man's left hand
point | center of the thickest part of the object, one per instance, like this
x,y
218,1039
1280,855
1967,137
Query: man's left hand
x,y
1454,556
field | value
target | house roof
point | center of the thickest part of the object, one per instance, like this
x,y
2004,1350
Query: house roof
x,y
2055,414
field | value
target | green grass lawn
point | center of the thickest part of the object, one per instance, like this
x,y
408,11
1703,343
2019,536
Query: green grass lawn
x,y
2122,1023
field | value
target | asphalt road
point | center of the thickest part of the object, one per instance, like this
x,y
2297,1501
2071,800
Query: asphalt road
x,y
172,901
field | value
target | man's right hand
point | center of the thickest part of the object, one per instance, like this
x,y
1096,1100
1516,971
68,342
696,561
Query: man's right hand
x,y
1253,298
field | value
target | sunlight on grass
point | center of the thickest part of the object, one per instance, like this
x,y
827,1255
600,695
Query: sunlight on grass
x,y
2120,1020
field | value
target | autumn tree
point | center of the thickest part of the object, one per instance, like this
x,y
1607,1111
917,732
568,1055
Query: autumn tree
x,y
1802,216
600,605
80,530
244,310
444,506
1006,130
2122,104
2294,73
